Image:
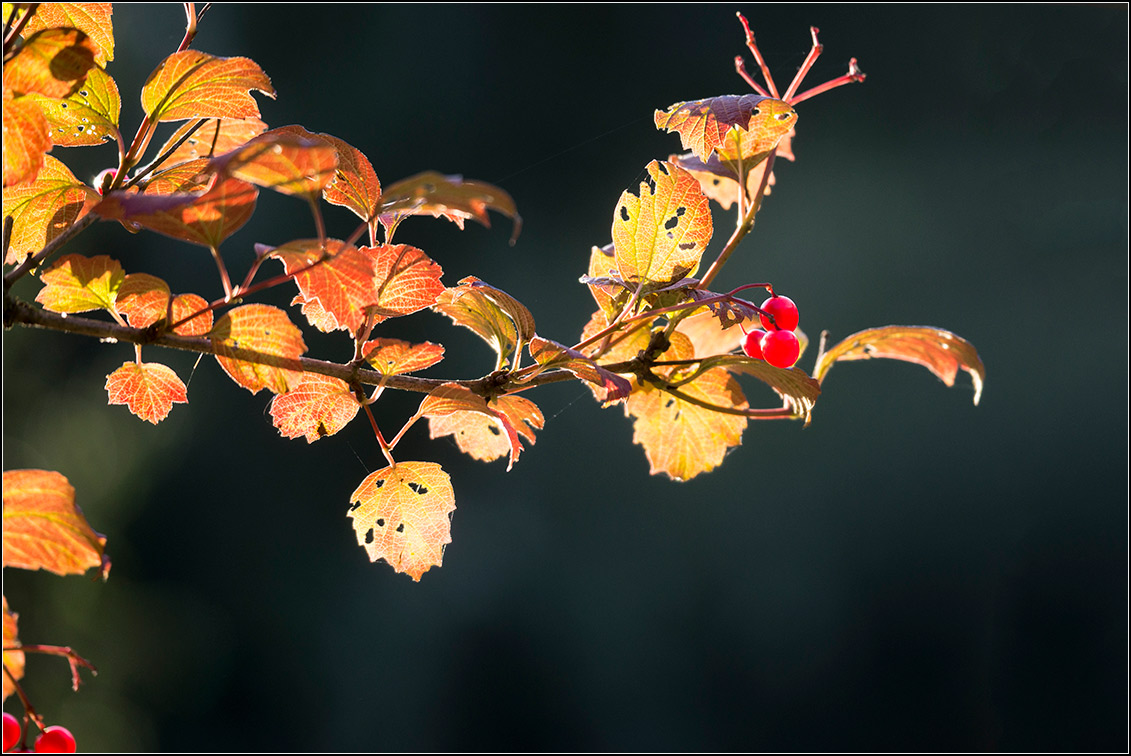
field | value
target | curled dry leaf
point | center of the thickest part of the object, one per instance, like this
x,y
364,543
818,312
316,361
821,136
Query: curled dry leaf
x,y
403,514
148,389
44,527
941,352
432,193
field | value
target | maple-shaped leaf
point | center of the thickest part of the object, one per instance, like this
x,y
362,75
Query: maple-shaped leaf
x,y
403,514
51,62
264,329
335,292
660,235
217,136
396,357
289,160
92,18
473,310
407,280
79,284
704,125
551,354
88,116
941,352
433,193
13,660
26,141
149,389
682,439
44,527
485,437
142,299
193,84
43,209
318,406
355,185
187,203
452,399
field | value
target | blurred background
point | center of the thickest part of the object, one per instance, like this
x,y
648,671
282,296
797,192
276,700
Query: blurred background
x,y
910,572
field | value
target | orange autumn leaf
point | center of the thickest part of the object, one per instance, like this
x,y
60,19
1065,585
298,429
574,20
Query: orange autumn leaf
x,y
433,193
797,390
318,406
941,352
708,335
44,527
92,18
51,62
471,307
407,280
396,357
704,125
185,305
355,185
485,437
403,514
660,235
43,209
142,299
26,141
193,84
264,329
13,660
289,160
335,282
79,284
148,389
186,202
452,399
216,137
88,116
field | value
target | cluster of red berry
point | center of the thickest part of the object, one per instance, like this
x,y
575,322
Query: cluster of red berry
x,y
777,344
54,739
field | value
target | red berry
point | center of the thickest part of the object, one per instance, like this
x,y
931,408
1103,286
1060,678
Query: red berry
x,y
752,345
784,311
11,731
780,348
55,739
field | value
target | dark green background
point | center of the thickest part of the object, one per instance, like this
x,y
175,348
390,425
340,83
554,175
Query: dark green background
x,y
910,572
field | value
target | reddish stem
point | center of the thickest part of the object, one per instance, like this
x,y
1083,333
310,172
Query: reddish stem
x,y
854,75
385,448
740,67
753,47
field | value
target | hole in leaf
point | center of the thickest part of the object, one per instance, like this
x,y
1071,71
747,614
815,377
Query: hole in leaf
x,y
672,222
715,182
784,116
355,505
671,235
378,484
380,522
687,245
400,528
664,169
755,111
624,213
64,105
669,403
494,431
651,183
84,93
369,536
418,488
676,416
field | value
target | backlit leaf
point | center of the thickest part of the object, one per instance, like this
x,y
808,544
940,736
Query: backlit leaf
x,y
798,391
142,299
289,160
26,141
318,406
193,84
51,62
186,203
216,137
407,280
43,209
403,514
451,197
185,305
746,147
13,660
265,329
703,124
88,116
335,292
44,527
92,18
396,357
78,284
681,439
355,183
611,298
661,234
472,309
941,352
551,354
451,399
719,180
708,335
149,389
515,310
484,437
